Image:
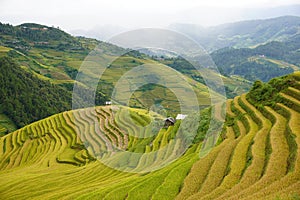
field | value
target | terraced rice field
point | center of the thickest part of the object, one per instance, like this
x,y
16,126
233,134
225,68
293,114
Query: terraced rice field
x,y
259,157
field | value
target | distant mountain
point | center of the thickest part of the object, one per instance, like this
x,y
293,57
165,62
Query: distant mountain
x,y
99,32
217,15
202,15
242,34
271,12
263,62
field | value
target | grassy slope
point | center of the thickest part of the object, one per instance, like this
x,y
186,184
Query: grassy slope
x,y
53,65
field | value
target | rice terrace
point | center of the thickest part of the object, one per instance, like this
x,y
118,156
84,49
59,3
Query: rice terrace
x,y
258,156
160,100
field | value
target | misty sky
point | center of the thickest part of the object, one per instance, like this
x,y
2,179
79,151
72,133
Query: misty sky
x,y
87,14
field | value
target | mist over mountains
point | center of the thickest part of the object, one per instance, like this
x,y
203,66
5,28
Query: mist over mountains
x,y
201,17
241,34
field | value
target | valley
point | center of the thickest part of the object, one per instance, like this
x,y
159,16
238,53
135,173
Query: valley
x,y
244,143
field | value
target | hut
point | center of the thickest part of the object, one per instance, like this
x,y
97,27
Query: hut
x,y
170,121
108,103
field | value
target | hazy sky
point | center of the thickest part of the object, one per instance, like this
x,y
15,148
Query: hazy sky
x,y
86,14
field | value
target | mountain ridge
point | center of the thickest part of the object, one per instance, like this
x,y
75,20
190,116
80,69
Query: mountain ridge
x,y
241,34
271,59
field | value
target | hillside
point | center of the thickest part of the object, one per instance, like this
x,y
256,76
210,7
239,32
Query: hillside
x,y
26,98
234,86
242,34
55,56
38,67
258,155
263,62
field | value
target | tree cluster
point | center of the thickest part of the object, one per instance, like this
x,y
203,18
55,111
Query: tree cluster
x,y
25,98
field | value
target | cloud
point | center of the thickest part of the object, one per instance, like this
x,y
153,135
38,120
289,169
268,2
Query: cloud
x,y
86,14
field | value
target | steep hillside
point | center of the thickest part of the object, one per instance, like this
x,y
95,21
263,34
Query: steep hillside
x,y
26,98
242,34
258,156
54,56
234,86
49,51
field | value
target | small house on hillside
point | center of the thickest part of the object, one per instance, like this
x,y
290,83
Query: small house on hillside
x,y
180,117
170,121
108,103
